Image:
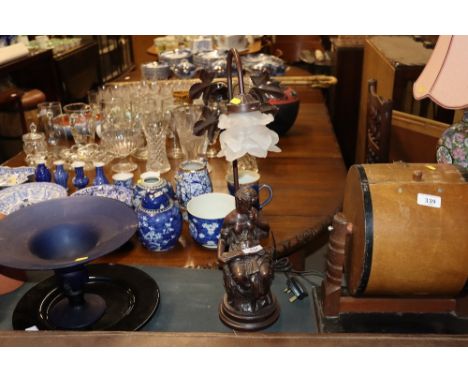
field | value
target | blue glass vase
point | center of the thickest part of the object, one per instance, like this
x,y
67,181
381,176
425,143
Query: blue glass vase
x,y
60,175
80,180
100,176
42,173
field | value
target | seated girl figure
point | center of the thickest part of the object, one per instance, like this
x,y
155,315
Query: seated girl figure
x,y
247,266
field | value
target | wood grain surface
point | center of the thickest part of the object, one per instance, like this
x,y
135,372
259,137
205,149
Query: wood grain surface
x,y
307,178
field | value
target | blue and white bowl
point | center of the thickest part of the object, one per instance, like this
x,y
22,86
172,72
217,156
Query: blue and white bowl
x,y
120,193
12,176
184,69
23,195
206,215
206,59
173,57
152,71
275,66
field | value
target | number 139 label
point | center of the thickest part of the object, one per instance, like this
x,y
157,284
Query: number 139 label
x,y
429,200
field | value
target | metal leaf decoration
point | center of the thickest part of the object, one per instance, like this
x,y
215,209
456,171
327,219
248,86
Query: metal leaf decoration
x,y
216,92
211,92
264,87
209,124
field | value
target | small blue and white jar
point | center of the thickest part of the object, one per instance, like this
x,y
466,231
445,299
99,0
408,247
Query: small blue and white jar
x,y
192,179
42,173
159,221
100,177
150,181
123,179
80,180
60,175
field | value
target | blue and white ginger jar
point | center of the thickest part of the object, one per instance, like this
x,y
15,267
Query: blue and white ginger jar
x,y
150,183
159,221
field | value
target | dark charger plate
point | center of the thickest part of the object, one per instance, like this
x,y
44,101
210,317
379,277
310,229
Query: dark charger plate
x,y
131,296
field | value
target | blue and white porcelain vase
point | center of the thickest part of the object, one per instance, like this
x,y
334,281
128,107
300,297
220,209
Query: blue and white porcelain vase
x,y
100,177
60,175
42,173
80,180
192,179
159,221
123,179
150,181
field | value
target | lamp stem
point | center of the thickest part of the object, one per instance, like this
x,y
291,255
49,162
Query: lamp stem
x,y
233,53
235,173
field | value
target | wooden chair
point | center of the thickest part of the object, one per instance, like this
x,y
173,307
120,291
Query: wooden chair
x,y
378,123
414,138
14,104
19,101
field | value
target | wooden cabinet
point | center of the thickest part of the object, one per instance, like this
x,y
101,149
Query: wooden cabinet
x,y
395,62
343,98
78,72
34,71
115,56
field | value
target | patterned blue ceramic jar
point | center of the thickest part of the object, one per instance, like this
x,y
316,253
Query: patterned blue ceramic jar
x,y
80,180
192,179
150,181
123,179
159,221
100,176
60,175
42,173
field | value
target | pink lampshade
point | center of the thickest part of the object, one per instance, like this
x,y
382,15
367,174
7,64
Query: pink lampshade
x,y
445,78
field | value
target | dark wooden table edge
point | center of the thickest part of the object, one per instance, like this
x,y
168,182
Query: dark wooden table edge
x,y
188,339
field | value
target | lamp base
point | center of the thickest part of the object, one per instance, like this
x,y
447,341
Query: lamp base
x,y
131,298
67,316
248,321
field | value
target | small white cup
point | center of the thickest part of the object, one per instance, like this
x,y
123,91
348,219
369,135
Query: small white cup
x,y
124,179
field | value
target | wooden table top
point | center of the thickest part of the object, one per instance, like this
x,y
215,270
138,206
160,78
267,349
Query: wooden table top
x,y
307,178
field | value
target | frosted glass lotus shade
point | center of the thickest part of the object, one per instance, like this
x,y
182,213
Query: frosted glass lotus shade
x,y
244,133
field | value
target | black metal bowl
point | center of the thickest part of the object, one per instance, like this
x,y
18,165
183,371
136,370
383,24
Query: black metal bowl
x,y
285,117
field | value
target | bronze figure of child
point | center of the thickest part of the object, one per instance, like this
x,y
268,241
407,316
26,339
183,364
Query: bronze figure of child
x,y
247,267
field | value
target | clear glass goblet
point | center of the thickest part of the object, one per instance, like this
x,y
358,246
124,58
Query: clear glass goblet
x,y
121,142
82,124
47,111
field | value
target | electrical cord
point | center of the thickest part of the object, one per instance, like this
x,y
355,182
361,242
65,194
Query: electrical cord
x,y
293,286
284,265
